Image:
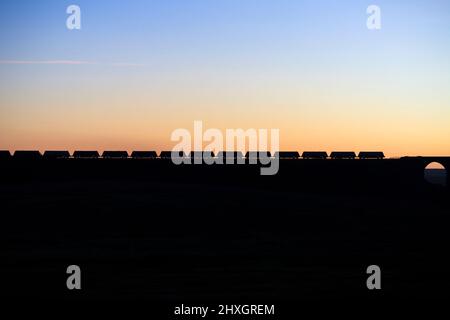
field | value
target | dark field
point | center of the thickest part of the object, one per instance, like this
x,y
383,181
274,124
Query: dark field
x,y
187,240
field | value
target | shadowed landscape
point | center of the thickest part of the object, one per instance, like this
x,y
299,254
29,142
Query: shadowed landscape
x,y
147,229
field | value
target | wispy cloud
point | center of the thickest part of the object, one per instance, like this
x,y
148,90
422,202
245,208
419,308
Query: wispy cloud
x,y
68,62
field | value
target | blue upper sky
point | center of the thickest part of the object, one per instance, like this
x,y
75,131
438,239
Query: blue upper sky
x,y
188,31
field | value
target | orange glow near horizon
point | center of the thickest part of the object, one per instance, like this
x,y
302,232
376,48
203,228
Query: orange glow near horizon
x,y
72,115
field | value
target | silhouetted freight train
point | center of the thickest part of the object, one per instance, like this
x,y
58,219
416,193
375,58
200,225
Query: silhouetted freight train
x,y
91,154
342,171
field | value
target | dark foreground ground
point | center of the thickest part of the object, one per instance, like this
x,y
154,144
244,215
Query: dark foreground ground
x,y
184,241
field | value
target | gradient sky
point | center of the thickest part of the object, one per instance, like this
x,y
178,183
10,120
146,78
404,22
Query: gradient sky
x,y
310,68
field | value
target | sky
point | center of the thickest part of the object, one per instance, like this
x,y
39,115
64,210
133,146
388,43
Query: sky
x,y
137,70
